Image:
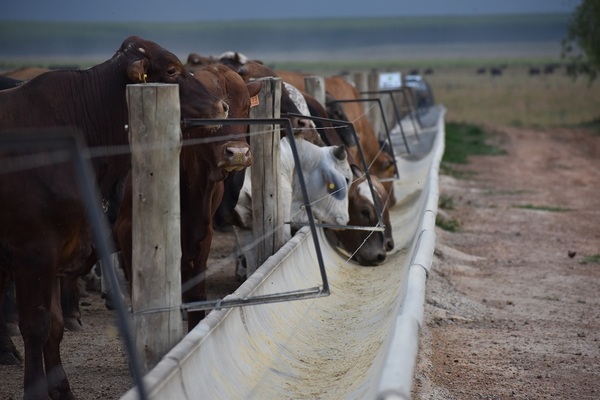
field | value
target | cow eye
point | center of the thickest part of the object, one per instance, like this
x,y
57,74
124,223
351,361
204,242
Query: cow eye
x,y
387,165
331,187
172,71
365,214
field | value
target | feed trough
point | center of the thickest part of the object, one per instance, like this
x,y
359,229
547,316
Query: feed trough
x,y
360,342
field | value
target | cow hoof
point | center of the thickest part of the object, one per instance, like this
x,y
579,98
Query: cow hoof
x,y
73,324
10,357
13,329
61,394
240,269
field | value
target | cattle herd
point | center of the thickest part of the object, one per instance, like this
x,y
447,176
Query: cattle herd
x,y
46,242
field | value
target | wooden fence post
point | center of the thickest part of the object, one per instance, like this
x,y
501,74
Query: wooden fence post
x,y
315,87
267,211
360,82
155,137
375,111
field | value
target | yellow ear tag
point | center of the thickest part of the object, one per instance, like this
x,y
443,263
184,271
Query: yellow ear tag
x,y
332,186
254,101
145,76
140,77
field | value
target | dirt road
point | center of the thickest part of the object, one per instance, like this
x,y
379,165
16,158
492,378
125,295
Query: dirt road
x,y
512,303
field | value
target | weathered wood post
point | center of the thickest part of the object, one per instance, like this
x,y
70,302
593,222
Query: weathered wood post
x,y
155,137
267,211
374,110
361,83
315,87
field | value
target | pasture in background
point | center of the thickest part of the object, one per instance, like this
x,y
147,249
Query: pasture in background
x,y
516,97
299,40
453,48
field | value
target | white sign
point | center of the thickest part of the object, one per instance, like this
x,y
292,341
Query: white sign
x,y
390,80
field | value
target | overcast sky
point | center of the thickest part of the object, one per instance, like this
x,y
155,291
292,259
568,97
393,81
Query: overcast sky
x,y
198,10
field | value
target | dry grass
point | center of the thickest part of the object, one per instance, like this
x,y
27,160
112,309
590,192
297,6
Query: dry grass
x,y
515,98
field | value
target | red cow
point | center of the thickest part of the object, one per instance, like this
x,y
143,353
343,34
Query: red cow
x,y
366,247
203,168
43,227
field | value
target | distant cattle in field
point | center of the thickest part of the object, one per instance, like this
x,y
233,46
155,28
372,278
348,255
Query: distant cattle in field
x,y
43,226
534,71
495,71
481,71
203,168
549,69
428,71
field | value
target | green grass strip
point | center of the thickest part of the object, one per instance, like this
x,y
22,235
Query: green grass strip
x,y
464,140
541,208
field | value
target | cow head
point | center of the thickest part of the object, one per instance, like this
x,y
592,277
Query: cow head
x,y
148,62
367,248
196,61
226,148
327,175
303,127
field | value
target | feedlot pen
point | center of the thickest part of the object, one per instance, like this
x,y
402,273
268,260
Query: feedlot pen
x,y
360,342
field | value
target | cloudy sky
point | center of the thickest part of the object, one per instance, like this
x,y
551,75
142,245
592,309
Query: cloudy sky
x,y
198,10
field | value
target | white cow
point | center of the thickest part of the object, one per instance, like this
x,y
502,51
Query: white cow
x,y
327,175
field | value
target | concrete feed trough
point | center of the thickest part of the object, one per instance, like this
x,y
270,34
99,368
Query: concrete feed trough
x,y
360,342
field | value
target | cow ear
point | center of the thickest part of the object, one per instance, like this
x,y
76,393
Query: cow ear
x,y
340,152
254,87
356,171
137,70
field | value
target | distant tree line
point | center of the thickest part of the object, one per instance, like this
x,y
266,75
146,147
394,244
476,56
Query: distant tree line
x,y
581,47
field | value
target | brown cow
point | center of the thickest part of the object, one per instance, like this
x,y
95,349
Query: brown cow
x,y
366,247
196,61
43,227
203,168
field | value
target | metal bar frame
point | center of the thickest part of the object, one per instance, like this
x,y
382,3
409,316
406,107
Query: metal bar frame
x,y
300,294
397,113
387,130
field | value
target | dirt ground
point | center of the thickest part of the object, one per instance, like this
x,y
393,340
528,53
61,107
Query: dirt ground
x,y
511,307
511,303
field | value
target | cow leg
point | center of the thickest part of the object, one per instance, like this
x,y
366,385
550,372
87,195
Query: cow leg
x,y
34,280
193,286
69,301
108,292
58,385
9,308
9,355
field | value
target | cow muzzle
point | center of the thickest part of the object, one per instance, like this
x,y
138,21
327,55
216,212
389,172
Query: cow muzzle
x,y
235,157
